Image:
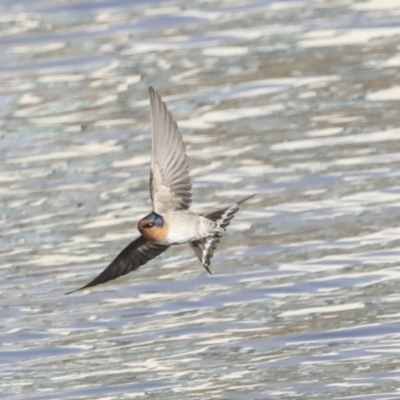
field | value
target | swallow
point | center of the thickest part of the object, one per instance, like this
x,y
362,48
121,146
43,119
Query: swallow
x,y
171,222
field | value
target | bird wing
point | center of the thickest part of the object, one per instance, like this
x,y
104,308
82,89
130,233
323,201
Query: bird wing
x,y
132,257
170,183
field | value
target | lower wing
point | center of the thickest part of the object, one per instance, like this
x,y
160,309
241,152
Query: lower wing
x,y
132,257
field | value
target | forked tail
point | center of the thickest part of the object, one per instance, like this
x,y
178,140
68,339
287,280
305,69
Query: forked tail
x,y
204,248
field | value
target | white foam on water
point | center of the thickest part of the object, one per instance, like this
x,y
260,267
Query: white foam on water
x,y
323,309
375,137
376,5
330,37
225,51
389,94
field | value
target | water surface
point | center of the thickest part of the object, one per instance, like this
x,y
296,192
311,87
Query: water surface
x,y
297,101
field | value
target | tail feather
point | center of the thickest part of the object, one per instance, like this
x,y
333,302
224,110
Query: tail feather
x,y
204,248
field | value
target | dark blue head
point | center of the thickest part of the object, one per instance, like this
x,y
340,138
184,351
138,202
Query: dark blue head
x,y
151,220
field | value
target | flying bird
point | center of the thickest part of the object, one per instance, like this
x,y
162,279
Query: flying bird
x,y
171,222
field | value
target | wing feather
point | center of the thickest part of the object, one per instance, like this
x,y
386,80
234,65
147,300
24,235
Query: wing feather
x,y
170,183
136,254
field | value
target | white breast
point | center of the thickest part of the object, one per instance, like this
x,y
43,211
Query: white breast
x,y
186,226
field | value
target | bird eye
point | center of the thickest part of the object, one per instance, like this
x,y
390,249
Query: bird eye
x,y
149,225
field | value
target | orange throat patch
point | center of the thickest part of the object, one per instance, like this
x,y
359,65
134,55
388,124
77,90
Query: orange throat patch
x,y
155,234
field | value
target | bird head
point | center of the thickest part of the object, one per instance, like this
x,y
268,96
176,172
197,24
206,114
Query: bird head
x,y
150,221
153,228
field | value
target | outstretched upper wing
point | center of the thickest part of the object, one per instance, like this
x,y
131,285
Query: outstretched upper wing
x,y
132,257
170,183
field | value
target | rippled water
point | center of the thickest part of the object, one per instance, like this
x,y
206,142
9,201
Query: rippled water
x,y
297,101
